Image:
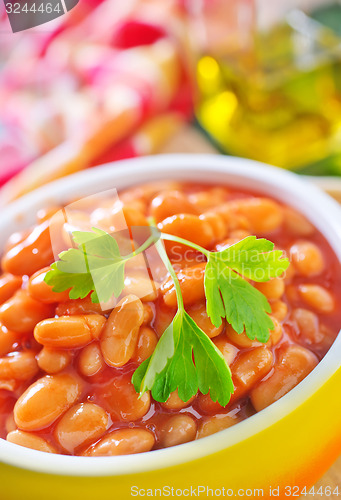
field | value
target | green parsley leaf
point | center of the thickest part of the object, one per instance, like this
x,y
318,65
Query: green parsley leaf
x,y
244,307
98,242
96,266
230,296
254,258
187,360
78,279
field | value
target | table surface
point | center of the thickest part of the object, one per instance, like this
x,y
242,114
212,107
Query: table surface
x,y
189,140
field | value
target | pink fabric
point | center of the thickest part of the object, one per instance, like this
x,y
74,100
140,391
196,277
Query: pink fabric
x,y
55,83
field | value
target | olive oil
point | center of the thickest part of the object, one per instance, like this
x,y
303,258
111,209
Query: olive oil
x,y
279,102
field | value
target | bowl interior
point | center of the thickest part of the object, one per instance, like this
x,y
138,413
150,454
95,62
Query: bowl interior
x,y
318,207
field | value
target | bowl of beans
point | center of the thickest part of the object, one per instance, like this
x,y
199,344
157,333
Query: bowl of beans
x,y
100,393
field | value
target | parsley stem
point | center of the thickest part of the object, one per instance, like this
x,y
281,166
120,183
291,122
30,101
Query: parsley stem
x,y
177,239
165,259
170,269
149,242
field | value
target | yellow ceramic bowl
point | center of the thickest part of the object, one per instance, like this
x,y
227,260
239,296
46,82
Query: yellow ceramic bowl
x,y
286,447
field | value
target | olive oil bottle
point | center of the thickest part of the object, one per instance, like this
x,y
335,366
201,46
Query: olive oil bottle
x,y
280,101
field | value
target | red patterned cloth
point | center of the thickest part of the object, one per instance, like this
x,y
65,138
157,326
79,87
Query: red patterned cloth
x,y
91,83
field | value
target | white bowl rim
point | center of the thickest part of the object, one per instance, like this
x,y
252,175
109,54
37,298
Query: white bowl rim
x,y
324,212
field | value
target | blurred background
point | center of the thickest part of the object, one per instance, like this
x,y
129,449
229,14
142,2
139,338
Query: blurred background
x,y
110,80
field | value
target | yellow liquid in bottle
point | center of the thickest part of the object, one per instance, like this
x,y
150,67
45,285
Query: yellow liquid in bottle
x,y
280,103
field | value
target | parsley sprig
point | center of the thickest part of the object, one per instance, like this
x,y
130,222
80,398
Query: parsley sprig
x,y
229,295
96,266
185,359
